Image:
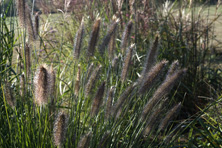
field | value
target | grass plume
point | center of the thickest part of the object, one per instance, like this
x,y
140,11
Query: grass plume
x,y
59,129
27,60
109,102
126,36
108,36
42,85
91,80
126,62
150,78
85,140
78,41
97,101
93,38
162,91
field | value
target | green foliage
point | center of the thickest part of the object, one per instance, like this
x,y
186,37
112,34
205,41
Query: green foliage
x,y
27,125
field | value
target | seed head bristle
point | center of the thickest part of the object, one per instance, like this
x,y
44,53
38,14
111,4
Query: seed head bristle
x,y
154,75
89,71
36,24
29,23
59,129
126,36
126,62
98,100
78,41
104,140
174,67
42,85
93,38
107,38
21,12
162,91
151,122
150,58
27,60
85,141
109,102
119,104
91,80
169,115
9,95
112,41
77,85
115,62
22,85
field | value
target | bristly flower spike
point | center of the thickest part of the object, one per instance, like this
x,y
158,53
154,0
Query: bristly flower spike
x,y
42,85
126,36
150,58
93,38
162,91
91,80
169,115
85,141
78,40
108,36
59,129
126,62
98,100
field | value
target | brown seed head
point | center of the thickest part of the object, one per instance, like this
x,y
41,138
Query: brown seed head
x,y
85,141
78,41
93,38
126,36
59,129
162,91
126,63
98,100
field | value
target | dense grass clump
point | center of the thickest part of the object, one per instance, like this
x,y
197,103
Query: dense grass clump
x,y
97,76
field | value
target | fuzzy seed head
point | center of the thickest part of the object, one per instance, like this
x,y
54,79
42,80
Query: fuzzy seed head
x,y
91,80
59,129
27,60
77,86
93,38
150,78
9,95
107,38
126,36
126,63
162,91
42,85
78,41
170,114
85,141
98,100
109,102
